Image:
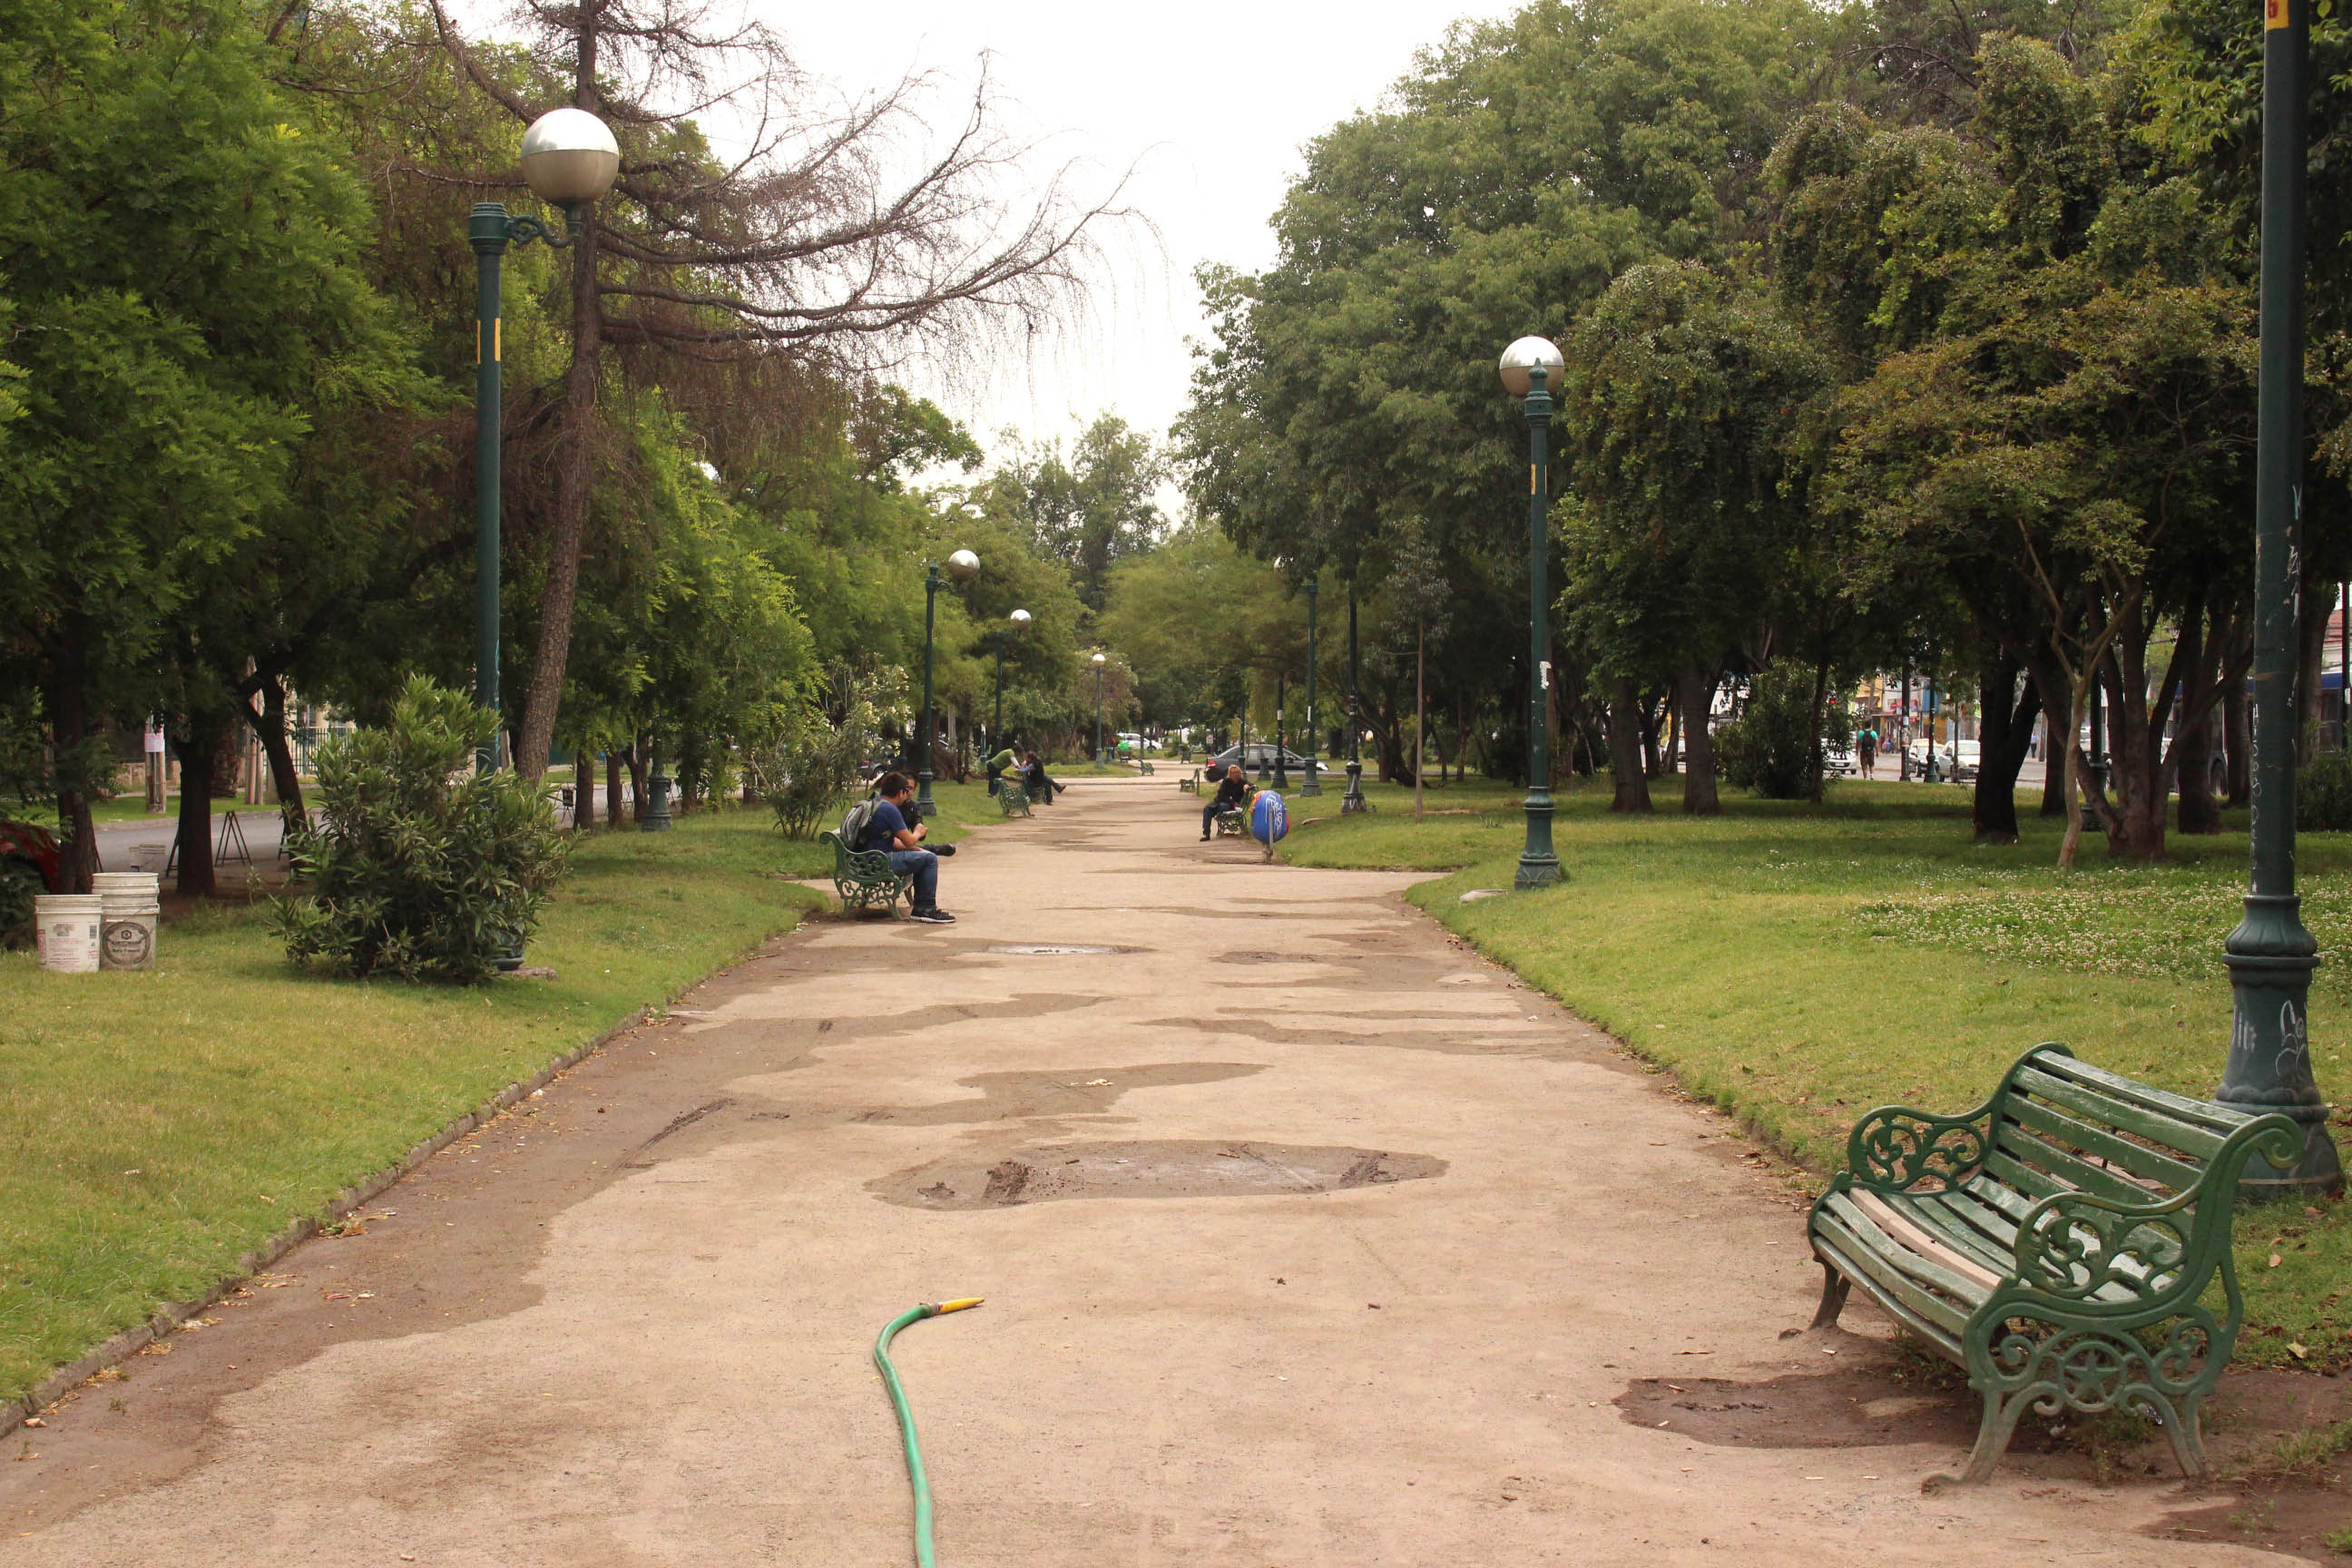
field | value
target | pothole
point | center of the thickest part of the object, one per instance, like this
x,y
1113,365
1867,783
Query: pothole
x,y
1154,1169
1054,949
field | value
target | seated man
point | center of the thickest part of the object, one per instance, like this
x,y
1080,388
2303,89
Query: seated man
x,y
1232,793
1042,789
888,832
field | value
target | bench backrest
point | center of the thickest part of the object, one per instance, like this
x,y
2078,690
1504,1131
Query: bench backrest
x,y
2061,1124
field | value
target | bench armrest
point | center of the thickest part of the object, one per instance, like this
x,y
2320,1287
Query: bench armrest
x,y
1896,1147
2074,1244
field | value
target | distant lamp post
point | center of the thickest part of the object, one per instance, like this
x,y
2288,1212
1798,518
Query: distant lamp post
x,y
963,566
1016,622
2272,954
1099,662
1527,366
1353,799
570,160
1310,786
1281,734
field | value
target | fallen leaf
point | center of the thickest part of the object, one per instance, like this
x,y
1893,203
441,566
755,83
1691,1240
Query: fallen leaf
x,y
2299,1351
35,1421
2275,1260
1097,1082
1694,1352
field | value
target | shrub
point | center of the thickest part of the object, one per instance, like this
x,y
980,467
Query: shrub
x,y
2322,794
419,868
817,766
1771,748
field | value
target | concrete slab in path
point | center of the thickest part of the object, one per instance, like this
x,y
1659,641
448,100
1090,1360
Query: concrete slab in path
x,y
1307,1238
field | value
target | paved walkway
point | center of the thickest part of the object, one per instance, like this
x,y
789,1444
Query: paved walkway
x,y
1307,1238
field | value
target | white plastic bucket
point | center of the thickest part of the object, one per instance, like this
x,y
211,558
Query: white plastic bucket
x,y
130,909
147,858
68,929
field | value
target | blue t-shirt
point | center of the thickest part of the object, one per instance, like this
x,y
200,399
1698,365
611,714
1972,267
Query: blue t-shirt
x,y
882,831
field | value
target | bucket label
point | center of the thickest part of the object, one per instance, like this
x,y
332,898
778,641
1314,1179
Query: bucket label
x,y
129,944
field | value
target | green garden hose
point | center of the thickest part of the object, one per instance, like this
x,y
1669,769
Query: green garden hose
x,y
914,1314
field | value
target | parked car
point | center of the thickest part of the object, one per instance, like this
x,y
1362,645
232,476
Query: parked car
x,y
1838,761
1261,755
1967,761
1951,767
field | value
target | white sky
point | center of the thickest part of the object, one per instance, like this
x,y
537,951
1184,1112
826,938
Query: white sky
x,y
1212,103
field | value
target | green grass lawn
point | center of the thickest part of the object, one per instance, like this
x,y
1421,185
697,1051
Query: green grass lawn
x,y
154,1127
1800,965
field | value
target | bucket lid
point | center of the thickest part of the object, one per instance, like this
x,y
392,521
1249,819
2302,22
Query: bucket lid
x,y
123,881
66,903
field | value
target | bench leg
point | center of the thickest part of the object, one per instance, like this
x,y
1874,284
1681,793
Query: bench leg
x,y
1835,1286
1994,1431
2184,1425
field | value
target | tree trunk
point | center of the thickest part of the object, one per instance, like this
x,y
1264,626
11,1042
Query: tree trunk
x,y
2001,745
269,726
2237,742
1626,749
639,754
583,789
612,787
1653,720
2200,812
2050,678
1817,762
1694,706
198,751
69,728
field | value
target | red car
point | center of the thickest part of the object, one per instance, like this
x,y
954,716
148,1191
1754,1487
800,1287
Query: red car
x,y
25,841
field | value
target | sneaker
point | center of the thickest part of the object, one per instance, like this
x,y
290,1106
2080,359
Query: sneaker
x,y
942,850
933,917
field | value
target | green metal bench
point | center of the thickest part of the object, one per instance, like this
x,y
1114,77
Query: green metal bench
x,y
863,877
1232,823
1191,785
1143,768
2057,1242
1014,798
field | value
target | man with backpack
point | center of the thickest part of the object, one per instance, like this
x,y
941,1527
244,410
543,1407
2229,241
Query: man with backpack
x,y
881,823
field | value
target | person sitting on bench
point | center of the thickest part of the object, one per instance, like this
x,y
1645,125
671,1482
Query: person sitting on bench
x,y
888,832
1233,795
1040,789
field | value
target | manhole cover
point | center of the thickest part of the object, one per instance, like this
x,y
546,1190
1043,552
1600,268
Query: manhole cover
x,y
1052,949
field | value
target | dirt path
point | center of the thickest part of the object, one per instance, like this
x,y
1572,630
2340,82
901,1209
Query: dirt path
x,y
1307,1238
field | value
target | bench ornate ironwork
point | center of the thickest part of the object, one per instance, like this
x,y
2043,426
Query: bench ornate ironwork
x,y
2057,1242
1014,799
863,877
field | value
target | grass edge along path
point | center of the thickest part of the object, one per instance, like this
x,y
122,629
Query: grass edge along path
x,y
162,1134
1797,966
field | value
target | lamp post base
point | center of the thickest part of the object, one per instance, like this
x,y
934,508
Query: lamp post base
x,y
1310,786
658,819
1353,799
923,791
2269,1068
1538,867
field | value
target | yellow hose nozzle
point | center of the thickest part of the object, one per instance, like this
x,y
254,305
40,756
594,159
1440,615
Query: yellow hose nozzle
x,y
960,1303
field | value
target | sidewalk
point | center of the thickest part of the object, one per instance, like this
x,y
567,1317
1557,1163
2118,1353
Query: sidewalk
x,y
1307,1238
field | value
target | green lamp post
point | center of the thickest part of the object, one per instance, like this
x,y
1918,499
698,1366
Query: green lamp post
x,y
1016,622
1354,798
1099,662
569,159
963,566
1310,786
1281,734
1527,366
2271,955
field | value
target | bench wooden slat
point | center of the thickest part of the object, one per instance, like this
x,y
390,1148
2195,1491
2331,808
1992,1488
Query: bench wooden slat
x,y
1925,1243
1874,1264
1996,1230
2204,1113
2065,1171
2149,1164
2159,1127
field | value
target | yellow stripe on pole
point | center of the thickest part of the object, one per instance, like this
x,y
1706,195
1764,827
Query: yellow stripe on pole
x,y
497,338
1535,479
2273,13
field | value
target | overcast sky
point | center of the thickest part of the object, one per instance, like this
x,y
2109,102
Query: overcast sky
x,y
1210,101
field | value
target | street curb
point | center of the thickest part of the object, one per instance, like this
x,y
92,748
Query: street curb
x,y
122,1346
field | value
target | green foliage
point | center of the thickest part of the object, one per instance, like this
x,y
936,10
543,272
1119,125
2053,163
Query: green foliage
x,y
2322,794
416,874
818,764
1772,748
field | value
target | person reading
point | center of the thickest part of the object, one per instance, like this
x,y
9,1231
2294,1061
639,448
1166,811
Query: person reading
x,y
888,832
